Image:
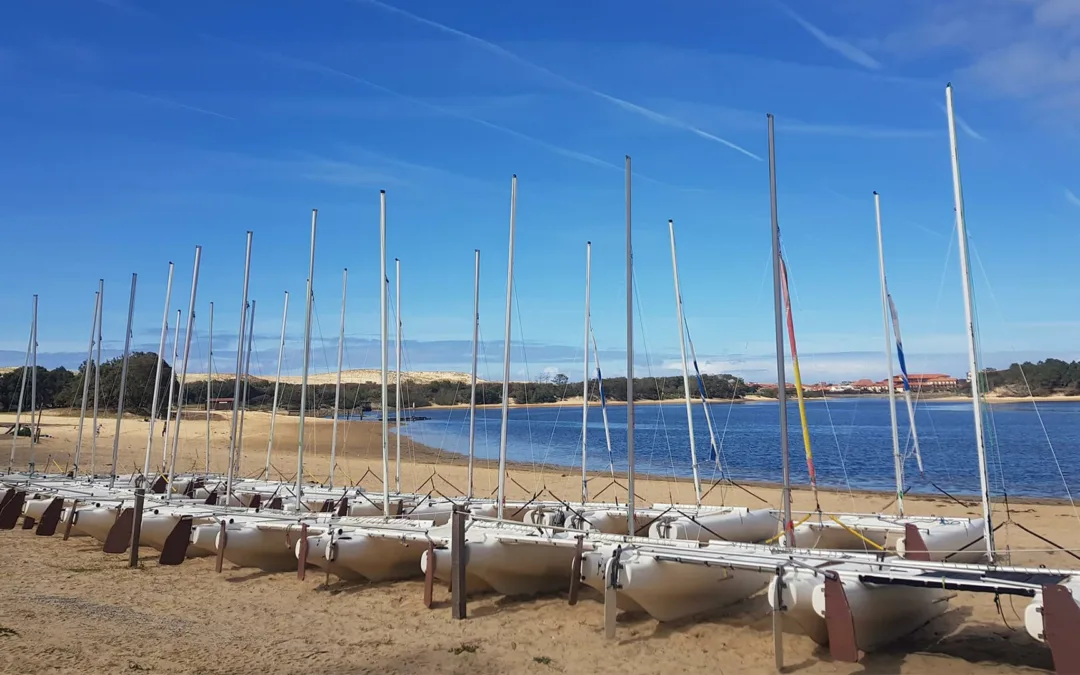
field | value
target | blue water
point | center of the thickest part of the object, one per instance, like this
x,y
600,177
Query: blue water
x,y
851,442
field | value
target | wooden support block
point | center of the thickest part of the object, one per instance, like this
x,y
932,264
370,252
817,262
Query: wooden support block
x,y
301,557
429,576
457,563
611,608
222,543
136,527
778,621
575,570
70,519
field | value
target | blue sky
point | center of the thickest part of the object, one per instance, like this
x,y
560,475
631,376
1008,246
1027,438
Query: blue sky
x,y
133,131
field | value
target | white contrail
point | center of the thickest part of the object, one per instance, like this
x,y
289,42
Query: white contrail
x,y
1071,197
327,70
304,64
653,115
177,104
964,126
967,129
841,47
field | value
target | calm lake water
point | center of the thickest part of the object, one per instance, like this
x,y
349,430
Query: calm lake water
x,y
850,438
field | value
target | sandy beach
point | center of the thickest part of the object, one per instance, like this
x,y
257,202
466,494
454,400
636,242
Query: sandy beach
x,y
66,607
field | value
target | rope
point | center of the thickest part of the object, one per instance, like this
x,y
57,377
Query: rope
x,y
856,533
647,525
968,545
571,509
732,482
1047,541
1001,613
771,540
702,525
942,491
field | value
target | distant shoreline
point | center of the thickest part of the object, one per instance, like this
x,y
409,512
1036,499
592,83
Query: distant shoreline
x,y
947,398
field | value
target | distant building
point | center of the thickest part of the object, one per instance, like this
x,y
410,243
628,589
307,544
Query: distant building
x,y
928,382
221,403
867,385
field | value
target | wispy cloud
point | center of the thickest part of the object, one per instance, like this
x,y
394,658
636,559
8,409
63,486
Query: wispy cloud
x,y
854,131
629,106
841,47
178,105
1024,51
413,167
1071,197
337,172
966,128
304,64
751,120
306,166
313,66
673,122
391,108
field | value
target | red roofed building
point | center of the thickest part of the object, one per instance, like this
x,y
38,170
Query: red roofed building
x,y
928,382
867,384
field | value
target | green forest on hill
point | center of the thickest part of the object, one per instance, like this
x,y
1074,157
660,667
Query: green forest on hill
x,y
62,388
1044,378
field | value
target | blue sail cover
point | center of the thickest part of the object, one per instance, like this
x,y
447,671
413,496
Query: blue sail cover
x,y
705,402
899,343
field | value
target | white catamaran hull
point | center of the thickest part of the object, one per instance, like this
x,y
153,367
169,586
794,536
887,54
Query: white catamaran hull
x,y
880,613
158,524
946,539
516,561
264,545
94,520
667,590
958,541
728,524
1033,613
359,555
